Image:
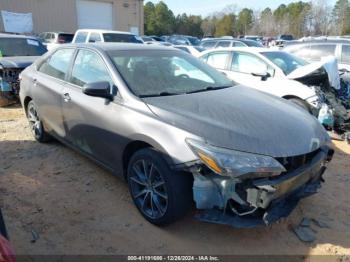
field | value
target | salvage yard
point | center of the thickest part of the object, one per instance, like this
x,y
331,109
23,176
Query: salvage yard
x,y
58,202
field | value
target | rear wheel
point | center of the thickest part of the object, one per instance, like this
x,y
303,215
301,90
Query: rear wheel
x,y
300,103
161,195
36,124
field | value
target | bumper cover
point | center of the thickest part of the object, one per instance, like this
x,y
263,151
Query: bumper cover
x,y
267,200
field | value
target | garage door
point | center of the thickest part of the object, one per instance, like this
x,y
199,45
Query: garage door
x,y
94,15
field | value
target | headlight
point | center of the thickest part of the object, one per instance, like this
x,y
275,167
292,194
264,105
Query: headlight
x,y
235,163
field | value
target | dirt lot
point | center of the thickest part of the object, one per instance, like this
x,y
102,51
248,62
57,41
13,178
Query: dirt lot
x,y
76,207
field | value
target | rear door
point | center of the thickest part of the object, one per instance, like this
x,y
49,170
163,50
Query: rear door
x,y
91,122
48,84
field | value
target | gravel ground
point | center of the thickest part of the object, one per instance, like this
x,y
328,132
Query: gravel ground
x,y
75,207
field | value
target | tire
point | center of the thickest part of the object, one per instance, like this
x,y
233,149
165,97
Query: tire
x,y
36,124
300,103
160,194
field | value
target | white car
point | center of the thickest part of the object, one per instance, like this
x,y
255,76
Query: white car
x,y
268,71
193,50
96,35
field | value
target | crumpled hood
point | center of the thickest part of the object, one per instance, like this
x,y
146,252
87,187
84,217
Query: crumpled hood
x,y
17,61
243,119
326,69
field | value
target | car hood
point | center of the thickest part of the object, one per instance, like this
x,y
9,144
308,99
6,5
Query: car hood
x,y
243,119
17,61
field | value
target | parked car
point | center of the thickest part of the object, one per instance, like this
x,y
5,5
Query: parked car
x,y
266,70
183,40
151,41
193,50
177,130
314,50
16,53
223,43
6,251
53,39
281,40
95,35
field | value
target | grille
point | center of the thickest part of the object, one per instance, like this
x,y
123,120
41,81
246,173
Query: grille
x,y
294,162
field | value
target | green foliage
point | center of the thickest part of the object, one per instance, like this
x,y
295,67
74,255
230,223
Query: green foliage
x,y
245,21
297,18
226,26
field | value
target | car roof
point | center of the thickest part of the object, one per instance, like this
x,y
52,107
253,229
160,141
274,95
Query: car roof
x,y
118,46
103,31
5,35
253,50
319,41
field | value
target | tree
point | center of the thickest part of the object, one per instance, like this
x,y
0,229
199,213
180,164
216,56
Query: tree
x,y
267,22
245,21
341,17
225,26
159,19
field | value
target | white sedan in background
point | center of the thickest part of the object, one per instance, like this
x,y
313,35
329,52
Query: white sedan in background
x,y
268,71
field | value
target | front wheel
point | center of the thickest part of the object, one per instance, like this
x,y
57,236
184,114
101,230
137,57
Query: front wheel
x,y
36,124
160,194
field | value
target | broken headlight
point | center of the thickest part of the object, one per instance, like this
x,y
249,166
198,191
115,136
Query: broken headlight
x,y
235,164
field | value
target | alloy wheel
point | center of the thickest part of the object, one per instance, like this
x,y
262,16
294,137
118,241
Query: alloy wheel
x,y
148,189
34,121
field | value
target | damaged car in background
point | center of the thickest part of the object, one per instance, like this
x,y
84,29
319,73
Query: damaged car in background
x,y
178,130
316,87
16,53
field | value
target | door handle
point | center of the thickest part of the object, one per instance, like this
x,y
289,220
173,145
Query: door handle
x,y
66,97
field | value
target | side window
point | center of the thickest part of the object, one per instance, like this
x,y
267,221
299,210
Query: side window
x,y
89,68
81,37
208,44
345,54
94,37
247,63
218,60
300,50
57,65
224,44
319,51
238,44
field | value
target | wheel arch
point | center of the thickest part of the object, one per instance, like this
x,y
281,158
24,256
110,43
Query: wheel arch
x,y
141,142
26,101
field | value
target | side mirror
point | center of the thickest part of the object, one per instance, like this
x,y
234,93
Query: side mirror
x,y
264,75
98,89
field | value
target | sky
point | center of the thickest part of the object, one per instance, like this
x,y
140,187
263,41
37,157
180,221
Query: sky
x,y
205,7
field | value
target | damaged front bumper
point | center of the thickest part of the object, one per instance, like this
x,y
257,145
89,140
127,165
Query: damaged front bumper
x,y
256,202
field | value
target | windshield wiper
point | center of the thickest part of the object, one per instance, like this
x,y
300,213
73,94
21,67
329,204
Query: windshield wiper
x,y
209,88
161,94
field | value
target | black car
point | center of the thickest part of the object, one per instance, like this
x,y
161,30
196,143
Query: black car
x,y
16,53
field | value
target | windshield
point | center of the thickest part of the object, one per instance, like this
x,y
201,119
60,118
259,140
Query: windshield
x,y
124,38
21,47
287,62
158,73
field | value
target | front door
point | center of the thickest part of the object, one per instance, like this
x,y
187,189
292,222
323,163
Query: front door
x,y
91,122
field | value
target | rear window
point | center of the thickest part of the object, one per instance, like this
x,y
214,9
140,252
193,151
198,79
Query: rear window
x,y
123,38
208,44
21,47
65,38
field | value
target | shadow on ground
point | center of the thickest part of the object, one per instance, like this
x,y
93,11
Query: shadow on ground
x,y
76,207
